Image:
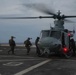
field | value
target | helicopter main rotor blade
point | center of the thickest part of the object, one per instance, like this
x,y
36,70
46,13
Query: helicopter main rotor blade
x,y
26,17
69,21
69,16
41,8
18,17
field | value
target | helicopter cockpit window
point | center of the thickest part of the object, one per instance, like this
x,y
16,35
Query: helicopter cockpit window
x,y
45,33
55,34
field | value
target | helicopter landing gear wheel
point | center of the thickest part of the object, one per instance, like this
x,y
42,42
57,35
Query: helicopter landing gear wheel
x,y
69,53
41,52
44,52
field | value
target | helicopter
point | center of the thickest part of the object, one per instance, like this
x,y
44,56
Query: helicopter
x,y
57,38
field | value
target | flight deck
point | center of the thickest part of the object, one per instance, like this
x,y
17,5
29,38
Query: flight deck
x,y
23,64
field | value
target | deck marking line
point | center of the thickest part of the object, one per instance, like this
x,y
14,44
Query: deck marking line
x,y
13,64
32,67
18,60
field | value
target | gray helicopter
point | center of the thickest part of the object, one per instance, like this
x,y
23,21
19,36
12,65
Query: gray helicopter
x,y
57,38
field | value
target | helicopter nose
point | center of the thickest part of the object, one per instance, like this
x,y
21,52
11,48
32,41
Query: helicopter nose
x,y
49,42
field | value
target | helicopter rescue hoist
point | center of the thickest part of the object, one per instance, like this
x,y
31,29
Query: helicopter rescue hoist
x,y
57,38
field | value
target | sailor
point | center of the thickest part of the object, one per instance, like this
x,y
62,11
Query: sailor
x,y
37,48
12,44
72,44
27,45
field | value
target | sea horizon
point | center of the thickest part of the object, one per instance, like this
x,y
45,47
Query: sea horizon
x,y
17,44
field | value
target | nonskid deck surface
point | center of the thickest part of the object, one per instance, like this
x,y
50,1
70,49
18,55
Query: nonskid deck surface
x,y
22,64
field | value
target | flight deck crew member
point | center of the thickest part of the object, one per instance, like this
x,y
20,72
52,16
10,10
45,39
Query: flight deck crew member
x,y
27,45
37,48
72,43
12,44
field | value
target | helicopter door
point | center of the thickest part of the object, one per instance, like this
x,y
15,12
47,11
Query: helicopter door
x,y
65,39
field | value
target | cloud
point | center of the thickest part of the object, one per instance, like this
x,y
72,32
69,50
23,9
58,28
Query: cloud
x,y
26,28
9,6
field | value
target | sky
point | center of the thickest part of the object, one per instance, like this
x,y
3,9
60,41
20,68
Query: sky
x,y
24,28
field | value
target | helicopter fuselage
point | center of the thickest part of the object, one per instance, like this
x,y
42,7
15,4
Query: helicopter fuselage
x,y
55,39
49,43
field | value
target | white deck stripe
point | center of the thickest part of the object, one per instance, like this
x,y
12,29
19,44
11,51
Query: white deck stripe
x,y
32,67
18,60
15,56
